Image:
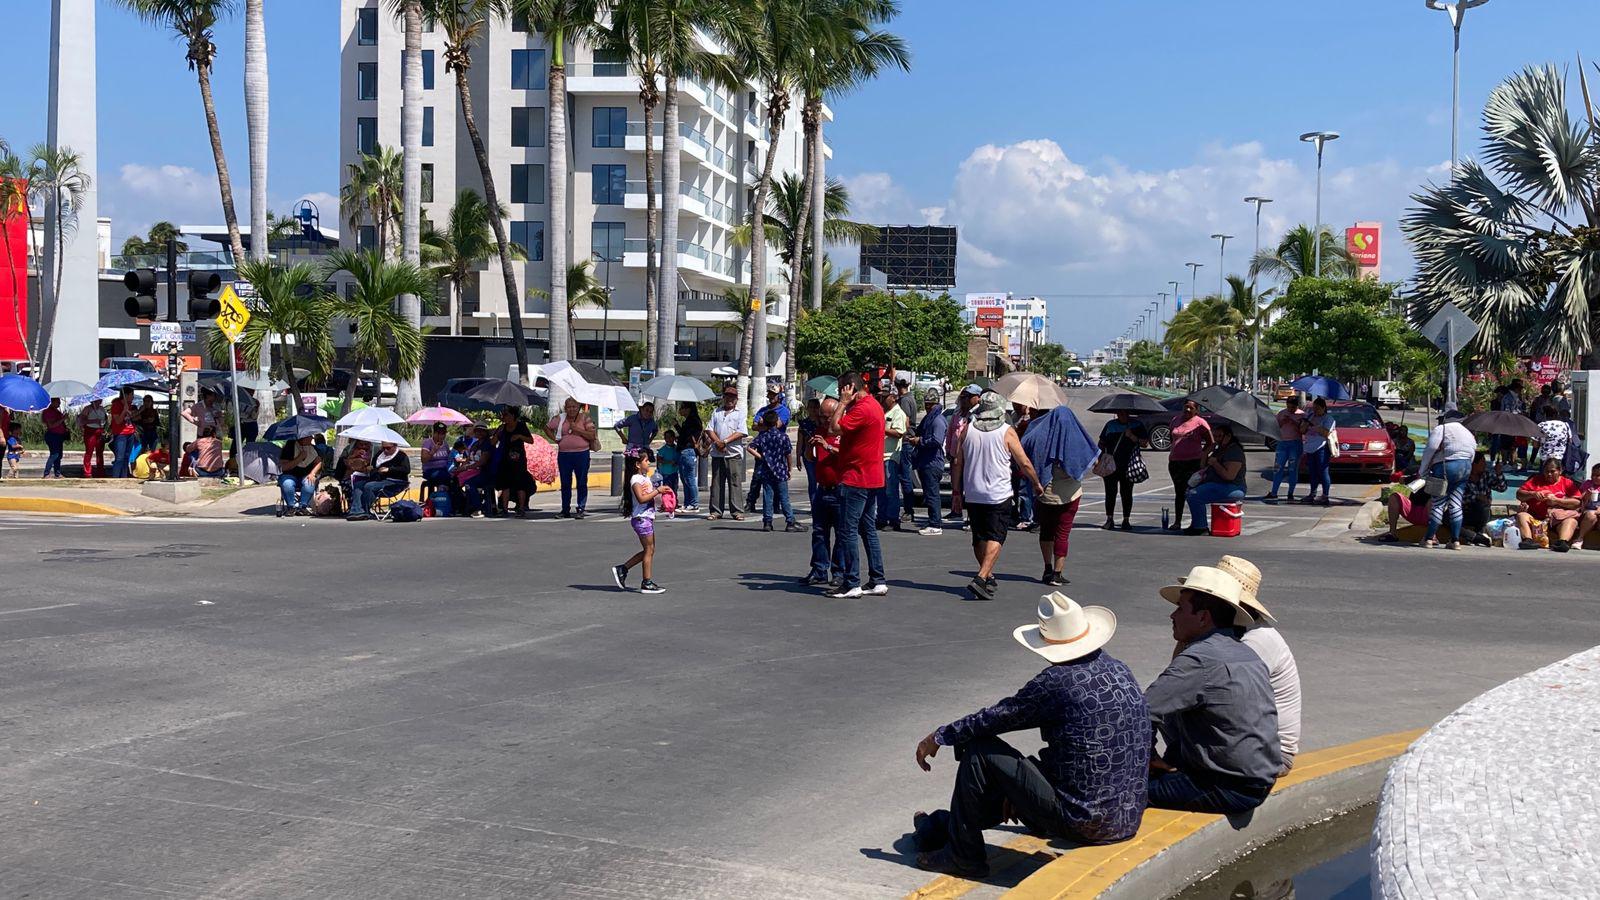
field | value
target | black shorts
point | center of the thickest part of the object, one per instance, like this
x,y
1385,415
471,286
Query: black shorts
x,y
990,522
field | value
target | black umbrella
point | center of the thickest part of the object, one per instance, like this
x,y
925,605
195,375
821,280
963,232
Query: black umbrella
x,y
1248,413
595,375
1509,424
501,392
1137,404
297,427
1215,396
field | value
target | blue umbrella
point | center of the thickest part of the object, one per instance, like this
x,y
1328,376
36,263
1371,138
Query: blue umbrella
x,y
92,395
23,394
1320,386
297,427
117,378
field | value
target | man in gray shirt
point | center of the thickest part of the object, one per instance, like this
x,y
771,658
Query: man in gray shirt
x,y
1213,706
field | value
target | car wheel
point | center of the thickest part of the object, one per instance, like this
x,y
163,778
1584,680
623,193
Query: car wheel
x,y
1161,438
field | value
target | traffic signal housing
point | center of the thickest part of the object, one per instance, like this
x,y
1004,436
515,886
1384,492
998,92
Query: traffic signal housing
x,y
142,282
201,304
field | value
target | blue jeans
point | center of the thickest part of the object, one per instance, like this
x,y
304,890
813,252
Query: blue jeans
x,y
827,544
908,476
362,495
121,449
1024,493
689,473
1287,464
52,462
775,493
1448,507
1198,793
475,487
811,480
1317,471
930,474
889,494
1201,498
296,491
858,522
573,466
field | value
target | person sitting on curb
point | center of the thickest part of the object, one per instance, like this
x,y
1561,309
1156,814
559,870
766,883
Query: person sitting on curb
x,y
1260,633
1213,706
1088,783
980,479
1551,500
1406,508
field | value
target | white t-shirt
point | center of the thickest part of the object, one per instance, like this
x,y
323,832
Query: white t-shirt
x,y
726,422
1285,677
641,509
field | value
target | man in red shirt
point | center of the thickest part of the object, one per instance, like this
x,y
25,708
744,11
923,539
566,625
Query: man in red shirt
x,y
827,551
858,422
1553,499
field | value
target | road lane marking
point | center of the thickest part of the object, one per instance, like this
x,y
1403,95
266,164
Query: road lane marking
x,y
12,612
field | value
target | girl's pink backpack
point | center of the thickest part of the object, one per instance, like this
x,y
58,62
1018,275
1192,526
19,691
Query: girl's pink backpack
x,y
669,502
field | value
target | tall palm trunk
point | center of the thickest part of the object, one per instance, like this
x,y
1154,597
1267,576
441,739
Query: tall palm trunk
x,y
651,311
556,243
800,239
256,97
492,199
818,176
408,391
202,72
671,200
756,325
53,210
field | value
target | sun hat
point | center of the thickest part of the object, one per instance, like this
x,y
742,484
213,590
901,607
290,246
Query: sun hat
x,y
990,412
1065,630
1249,578
1207,580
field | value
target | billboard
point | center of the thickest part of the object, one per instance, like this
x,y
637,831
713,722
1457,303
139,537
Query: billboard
x,y
1364,241
14,276
913,256
989,317
975,301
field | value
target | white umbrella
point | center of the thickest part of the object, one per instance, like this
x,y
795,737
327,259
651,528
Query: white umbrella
x,y
681,388
378,434
368,415
564,377
67,388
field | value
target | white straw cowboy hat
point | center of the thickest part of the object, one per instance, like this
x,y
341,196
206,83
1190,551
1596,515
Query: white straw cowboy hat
x,y
1249,578
1067,631
1208,580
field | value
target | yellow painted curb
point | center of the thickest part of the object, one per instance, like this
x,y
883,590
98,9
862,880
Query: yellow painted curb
x,y
58,506
1087,871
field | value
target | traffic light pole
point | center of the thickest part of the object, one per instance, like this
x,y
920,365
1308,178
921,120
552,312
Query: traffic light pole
x,y
174,430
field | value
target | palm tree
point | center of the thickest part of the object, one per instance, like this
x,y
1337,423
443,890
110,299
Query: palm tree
x,y
583,290
377,326
14,205
408,391
256,109
372,190
290,301
835,284
57,174
1253,313
464,22
561,21
1521,259
1295,256
1206,326
787,224
191,22
465,244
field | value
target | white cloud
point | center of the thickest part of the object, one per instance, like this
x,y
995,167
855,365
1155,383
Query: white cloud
x,y
1035,221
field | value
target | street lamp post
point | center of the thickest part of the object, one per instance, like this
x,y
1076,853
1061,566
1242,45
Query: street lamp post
x,y
1321,139
1222,263
1458,13
1255,352
1194,268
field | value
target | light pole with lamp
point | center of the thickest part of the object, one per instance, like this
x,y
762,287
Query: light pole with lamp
x,y
1458,13
1321,139
1161,313
1194,269
1222,262
1255,352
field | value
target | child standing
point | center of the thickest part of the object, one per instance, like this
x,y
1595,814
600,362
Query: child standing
x,y
14,450
667,459
640,504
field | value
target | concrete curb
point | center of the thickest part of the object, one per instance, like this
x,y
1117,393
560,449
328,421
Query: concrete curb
x,y
58,506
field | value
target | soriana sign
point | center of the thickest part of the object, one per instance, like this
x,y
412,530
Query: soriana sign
x,y
1364,241
990,317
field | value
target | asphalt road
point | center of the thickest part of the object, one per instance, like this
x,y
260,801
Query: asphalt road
x,y
293,708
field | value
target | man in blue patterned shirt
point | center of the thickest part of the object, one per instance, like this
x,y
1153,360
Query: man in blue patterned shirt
x,y
1088,783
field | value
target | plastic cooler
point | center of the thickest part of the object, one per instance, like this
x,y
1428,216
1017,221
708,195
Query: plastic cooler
x,y
1227,519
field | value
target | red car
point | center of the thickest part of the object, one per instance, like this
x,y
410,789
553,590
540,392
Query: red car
x,y
1364,445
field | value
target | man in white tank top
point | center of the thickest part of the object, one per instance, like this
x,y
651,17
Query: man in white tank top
x,y
980,476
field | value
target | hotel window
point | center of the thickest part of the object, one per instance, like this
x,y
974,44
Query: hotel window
x,y
367,135
427,70
528,70
367,81
527,183
610,63
367,237
367,26
427,182
610,126
605,239
610,183
527,126
427,126
530,236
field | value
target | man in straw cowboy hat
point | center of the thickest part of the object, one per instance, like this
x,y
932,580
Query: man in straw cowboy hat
x,y
1088,783
1260,633
1213,706
980,479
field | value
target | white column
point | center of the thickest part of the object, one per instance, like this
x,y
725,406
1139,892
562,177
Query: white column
x,y
76,331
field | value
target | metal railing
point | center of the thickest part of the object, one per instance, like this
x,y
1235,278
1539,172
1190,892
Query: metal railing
x,y
722,212
601,70
717,156
194,259
714,262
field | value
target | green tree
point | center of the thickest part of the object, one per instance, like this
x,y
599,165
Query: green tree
x,y
372,192
1339,328
467,241
56,175
1295,256
379,331
1146,360
154,243
1048,359
291,301
1521,256
583,291
1205,327
913,332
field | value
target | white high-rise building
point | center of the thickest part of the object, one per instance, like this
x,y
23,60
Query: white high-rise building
x,y
723,143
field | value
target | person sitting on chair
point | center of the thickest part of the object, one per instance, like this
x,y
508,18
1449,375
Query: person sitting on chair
x,y
389,476
437,455
208,459
300,464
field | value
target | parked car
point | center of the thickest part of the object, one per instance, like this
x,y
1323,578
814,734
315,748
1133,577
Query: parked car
x,y
1160,427
1282,392
388,390
366,389
136,363
1364,445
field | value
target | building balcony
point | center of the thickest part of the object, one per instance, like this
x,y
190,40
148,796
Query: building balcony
x,y
691,257
695,202
602,78
695,144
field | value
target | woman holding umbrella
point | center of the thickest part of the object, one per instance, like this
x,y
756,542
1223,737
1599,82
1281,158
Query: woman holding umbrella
x,y
55,436
1121,437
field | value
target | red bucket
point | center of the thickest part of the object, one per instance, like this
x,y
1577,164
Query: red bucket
x,y
1227,519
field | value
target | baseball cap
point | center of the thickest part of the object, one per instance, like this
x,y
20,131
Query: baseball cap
x,y
972,389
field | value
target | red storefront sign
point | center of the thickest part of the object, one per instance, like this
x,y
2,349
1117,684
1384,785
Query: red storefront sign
x,y
13,271
1363,242
990,317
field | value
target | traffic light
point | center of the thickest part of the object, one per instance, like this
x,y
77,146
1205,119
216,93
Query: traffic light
x,y
142,305
201,304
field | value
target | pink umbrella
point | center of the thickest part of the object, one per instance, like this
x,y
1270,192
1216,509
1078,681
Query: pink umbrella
x,y
430,414
541,458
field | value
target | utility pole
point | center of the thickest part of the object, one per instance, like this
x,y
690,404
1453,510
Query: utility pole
x,y
1255,352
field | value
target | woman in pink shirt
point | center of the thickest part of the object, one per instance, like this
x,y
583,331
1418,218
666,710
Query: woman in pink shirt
x,y
1191,440
574,435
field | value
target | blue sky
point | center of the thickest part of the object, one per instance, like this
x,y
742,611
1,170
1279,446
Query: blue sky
x,y
1086,150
